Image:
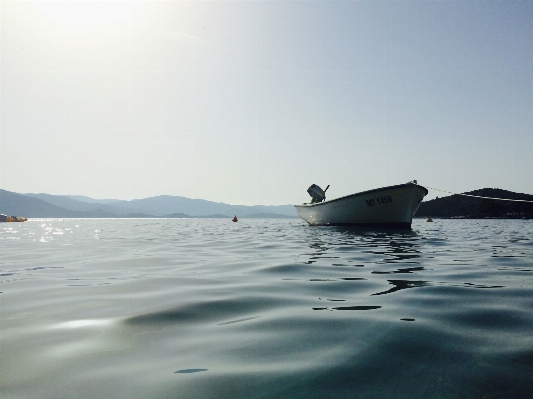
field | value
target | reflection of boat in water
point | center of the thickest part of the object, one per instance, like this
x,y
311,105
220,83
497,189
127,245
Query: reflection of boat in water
x,y
392,206
390,260
399,285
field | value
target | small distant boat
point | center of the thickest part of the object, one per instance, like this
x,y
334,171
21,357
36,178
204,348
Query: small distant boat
x,y
5,218
392,206
235,219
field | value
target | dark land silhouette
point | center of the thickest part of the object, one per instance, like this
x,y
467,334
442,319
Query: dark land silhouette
x,y
460,206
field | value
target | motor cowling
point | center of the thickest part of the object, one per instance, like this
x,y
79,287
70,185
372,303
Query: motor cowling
x,y
316,193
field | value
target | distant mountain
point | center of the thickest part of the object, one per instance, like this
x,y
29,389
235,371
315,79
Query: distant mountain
x,y
47,205
22,205
462,206
165,204
31,207
177,216
67,202
92,200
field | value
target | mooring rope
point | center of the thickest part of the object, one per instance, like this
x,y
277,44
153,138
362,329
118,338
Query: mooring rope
x,y
478,196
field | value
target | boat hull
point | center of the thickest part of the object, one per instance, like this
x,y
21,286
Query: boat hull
x,y
392,206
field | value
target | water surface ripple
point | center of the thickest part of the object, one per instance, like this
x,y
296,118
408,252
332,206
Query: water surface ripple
x,y
206,308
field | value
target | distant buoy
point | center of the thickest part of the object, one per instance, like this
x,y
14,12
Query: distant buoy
x,y
235,219
429,219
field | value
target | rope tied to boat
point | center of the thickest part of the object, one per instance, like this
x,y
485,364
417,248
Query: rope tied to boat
x,y
478,196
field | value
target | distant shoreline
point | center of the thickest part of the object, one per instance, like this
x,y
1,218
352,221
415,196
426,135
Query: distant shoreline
x,y
474,217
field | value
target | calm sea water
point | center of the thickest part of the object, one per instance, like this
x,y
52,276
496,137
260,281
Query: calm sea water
x,y
200,308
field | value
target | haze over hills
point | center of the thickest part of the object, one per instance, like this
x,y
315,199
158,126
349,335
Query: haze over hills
x,y
68,203
47,205
18,205
59,206
89,199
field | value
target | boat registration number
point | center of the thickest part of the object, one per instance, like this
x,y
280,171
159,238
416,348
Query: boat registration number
x,y
379,201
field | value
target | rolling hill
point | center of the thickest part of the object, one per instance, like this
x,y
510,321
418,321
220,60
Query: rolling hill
x,y
455,206
47,205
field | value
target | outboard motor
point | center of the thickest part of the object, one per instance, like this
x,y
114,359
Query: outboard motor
x,y
317,194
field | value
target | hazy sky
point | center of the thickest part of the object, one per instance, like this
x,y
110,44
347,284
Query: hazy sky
x,y
250,102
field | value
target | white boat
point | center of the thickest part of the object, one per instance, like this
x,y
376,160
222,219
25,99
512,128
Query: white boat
x,y
392,206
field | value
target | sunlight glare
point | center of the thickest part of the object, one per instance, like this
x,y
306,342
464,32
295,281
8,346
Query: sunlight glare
x,y
85,13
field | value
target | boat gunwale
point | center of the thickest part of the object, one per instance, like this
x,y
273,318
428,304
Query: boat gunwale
x,y
363,192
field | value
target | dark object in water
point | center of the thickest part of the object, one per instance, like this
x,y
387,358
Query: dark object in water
x,y
189,371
